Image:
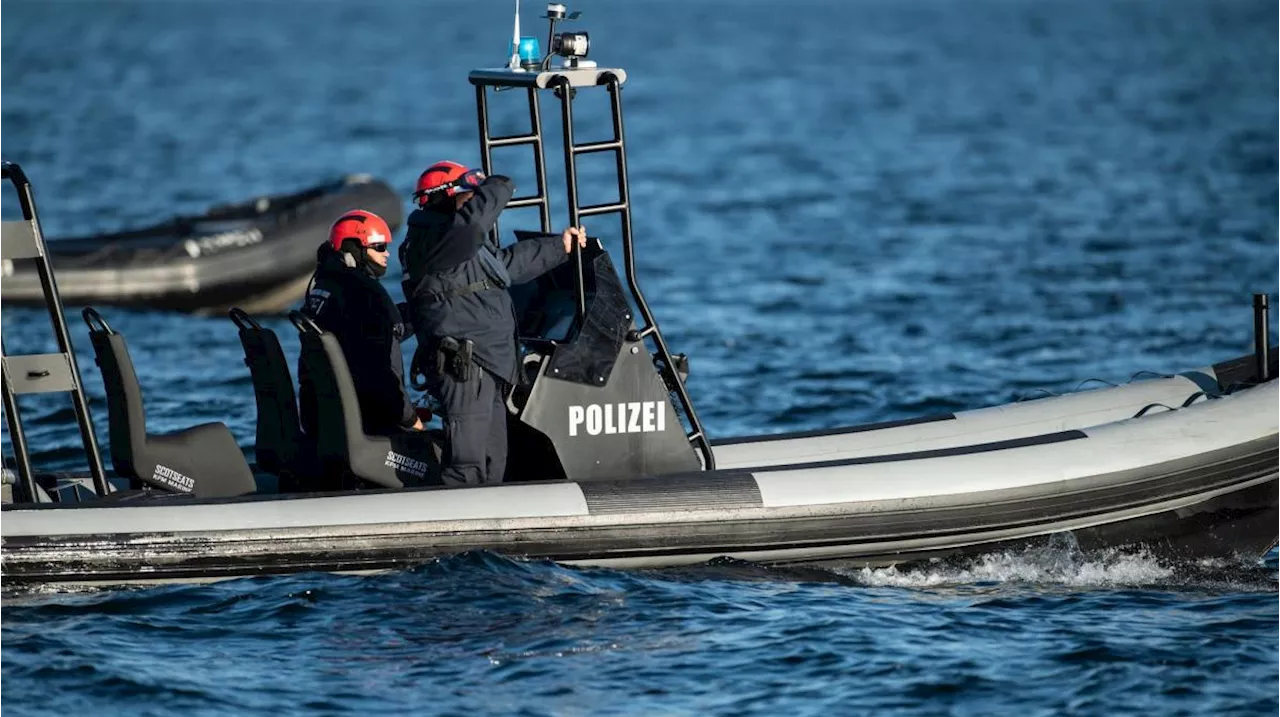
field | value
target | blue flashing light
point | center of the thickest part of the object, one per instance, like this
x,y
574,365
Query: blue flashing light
x,y
530,53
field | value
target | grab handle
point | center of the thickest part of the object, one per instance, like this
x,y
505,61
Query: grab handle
x,y
303,322
12,171
91,316
242,320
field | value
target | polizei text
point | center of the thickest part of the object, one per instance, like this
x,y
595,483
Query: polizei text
x,y
611,418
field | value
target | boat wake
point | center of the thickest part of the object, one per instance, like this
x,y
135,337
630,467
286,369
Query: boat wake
x,y
1057,566
1062,564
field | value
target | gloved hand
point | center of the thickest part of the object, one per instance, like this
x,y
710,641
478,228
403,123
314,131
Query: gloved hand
x,y
406,319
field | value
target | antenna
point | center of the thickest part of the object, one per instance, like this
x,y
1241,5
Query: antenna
x,y
514,63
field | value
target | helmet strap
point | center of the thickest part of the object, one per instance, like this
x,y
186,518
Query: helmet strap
x,y
354,256
352,252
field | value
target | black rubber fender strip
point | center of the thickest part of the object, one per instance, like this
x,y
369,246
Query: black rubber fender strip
x,y
1044,439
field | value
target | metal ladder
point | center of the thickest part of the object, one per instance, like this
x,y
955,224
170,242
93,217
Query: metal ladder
x,y
488,143
41,373
563,83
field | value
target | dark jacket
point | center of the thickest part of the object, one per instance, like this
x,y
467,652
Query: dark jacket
x,y
456,278
350,303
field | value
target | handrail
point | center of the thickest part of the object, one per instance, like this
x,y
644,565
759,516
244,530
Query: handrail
x,y
565,93
650,326
53,303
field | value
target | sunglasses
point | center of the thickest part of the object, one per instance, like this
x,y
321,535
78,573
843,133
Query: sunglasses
x,y
380,248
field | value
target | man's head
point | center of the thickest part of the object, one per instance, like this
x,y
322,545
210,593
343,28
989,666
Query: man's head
x,y
363,238
446,185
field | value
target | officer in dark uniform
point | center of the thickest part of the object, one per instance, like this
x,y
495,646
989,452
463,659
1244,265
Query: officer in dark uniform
x,y
456,282
345,299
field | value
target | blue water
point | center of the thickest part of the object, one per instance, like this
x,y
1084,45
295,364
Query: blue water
x,y
846,212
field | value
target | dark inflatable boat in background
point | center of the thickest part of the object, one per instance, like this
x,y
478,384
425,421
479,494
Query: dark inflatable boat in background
x,y
259,253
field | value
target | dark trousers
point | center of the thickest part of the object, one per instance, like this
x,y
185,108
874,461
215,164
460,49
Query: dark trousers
x,y
475,428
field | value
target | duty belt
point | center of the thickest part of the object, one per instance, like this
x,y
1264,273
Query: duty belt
x,y
453,293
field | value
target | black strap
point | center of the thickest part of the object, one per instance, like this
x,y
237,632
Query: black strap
x,y
468,289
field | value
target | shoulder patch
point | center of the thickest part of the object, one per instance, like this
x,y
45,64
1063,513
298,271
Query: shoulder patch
x,y
316,300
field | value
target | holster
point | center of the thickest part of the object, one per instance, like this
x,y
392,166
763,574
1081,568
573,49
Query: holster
x,y
453,358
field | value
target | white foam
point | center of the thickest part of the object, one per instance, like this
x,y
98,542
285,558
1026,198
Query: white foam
x,y
1057,565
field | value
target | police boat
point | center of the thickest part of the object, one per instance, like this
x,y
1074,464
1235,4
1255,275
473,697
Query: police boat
x,y
257,254
609,463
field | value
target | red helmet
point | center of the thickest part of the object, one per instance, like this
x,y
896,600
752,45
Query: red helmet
x,y
445,179
365,227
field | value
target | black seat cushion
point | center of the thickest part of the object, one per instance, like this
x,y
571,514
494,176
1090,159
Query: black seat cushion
x,y
282,447
204,460
406,458
393,461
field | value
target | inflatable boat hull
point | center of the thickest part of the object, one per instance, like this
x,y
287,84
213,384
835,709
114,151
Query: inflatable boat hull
x,y
257,255
1191,483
